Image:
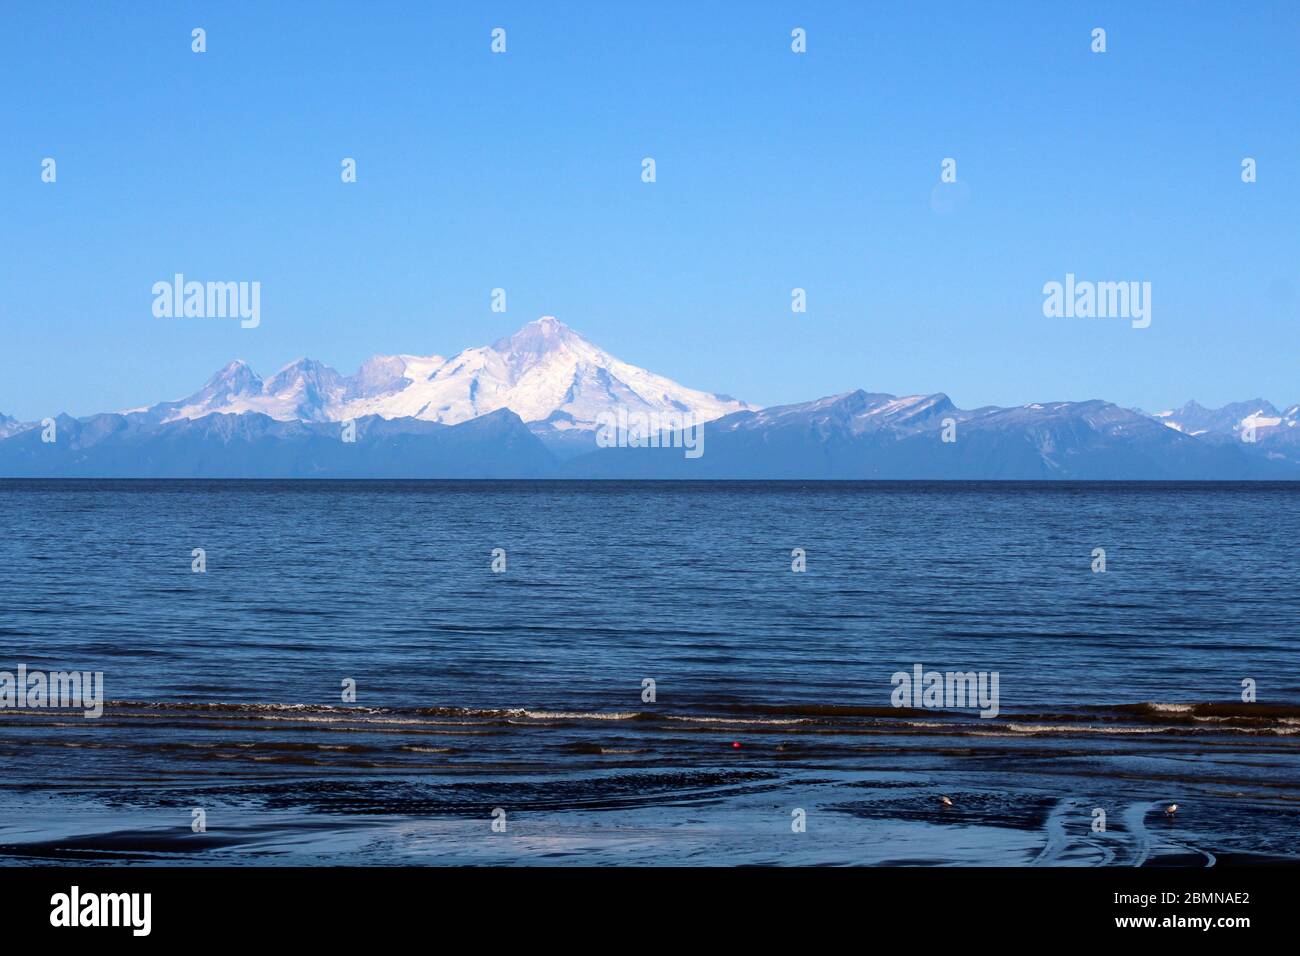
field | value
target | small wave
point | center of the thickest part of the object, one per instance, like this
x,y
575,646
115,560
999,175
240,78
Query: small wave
x,y
1148,717
236,708
740,721
1145,729
574,715
1212,710
1083,729
822,710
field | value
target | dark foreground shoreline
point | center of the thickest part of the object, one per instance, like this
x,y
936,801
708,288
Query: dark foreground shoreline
x,y
764,785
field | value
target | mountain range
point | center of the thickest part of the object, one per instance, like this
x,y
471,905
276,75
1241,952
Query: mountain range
x,y
535,404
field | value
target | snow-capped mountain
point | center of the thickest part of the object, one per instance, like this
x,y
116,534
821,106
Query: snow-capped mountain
x,y
1228,421
855,435
9,426
852,413
545,373
252,445
528,406
301,391
861,434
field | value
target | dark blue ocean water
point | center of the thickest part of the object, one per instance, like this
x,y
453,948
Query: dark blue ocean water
x,y
524,689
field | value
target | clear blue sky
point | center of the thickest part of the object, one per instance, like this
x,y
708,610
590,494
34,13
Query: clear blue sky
x,y
774,170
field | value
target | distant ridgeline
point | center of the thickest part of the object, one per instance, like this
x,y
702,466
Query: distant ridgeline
x,y
854,436
547,403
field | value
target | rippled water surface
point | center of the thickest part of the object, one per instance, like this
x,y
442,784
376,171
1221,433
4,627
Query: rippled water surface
x,y
523,690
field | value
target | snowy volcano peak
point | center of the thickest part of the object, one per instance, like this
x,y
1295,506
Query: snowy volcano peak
x,y
548,372
545,372
539,338
546,341
233,381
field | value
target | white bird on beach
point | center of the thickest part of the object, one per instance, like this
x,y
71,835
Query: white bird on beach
x,y
1171,809
945,801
